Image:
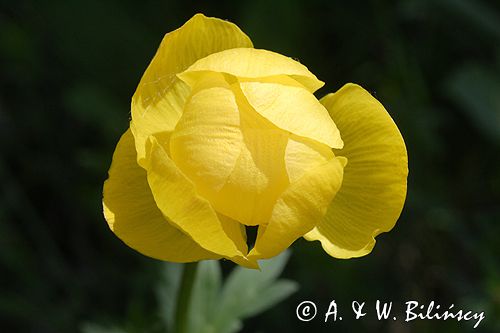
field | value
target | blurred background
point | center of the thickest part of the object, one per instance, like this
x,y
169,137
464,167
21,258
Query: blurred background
x,y
68,70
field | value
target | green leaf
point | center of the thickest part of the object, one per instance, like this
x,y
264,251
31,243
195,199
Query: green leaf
x,y
166,292
270,296
270,270
220,308
248,292
205,296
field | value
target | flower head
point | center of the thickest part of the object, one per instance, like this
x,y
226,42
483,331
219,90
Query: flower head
x,y
225,136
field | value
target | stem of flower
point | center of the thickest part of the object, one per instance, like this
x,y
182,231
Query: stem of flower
x,y
184,297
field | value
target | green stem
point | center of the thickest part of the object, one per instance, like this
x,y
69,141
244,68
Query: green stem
x,y
184,297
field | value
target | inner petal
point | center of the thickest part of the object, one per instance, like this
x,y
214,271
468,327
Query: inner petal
x,y
233,155
293,109
303,154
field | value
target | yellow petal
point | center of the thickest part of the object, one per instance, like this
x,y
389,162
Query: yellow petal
x,y
132,214
257,179
159,98
233,155
302,154
374,187
207,140
238,227
299,208
158,117
253,63
176,197
293,109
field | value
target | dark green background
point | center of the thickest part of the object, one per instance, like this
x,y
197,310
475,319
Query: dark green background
x,y
68,70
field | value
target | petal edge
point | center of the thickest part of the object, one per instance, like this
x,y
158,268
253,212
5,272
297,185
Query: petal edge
x,y
374,187
160,95
176,197
132,214
299,208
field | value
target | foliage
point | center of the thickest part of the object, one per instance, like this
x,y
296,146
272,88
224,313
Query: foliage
x,y
217,307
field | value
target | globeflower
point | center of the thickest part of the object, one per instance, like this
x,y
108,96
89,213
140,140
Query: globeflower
x,y
225,136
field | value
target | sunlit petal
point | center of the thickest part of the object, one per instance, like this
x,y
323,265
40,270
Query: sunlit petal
x,y
176,197
374,187
253,63
133,216
299,208
158,101
293,109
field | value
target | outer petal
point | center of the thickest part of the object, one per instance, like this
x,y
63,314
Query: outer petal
x,y
133,216
293,109
177,198
299,208
254,63
374,187
157,103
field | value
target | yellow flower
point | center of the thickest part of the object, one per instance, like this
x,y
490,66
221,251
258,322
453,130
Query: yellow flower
x,y
225,136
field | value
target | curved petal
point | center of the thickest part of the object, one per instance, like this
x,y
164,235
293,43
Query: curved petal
x,y
299,209
132,214
302,154
176,197
253,63
157,117
159,98
257,179
207,140
232,154
293,109
374,187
